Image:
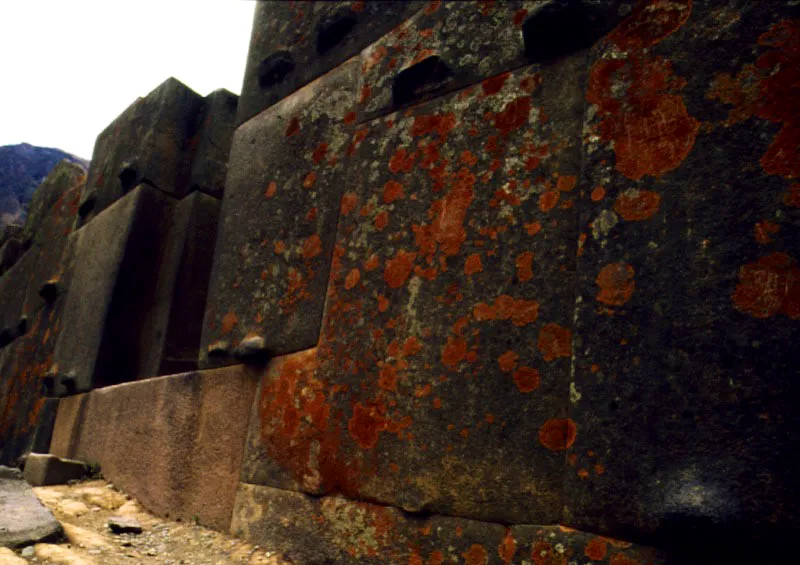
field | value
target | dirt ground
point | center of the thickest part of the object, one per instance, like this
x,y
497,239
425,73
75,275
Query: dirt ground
x,y
84,510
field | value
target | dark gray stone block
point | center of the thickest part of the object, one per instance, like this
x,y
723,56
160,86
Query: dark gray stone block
x,y
54,192
150,142
293,43
212,143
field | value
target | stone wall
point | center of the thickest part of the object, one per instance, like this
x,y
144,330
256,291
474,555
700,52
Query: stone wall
x,y
487,282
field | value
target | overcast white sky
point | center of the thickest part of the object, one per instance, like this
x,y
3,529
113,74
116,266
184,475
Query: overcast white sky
x,y
69,67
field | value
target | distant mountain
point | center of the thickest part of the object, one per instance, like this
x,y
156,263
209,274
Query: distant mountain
x,y
22,168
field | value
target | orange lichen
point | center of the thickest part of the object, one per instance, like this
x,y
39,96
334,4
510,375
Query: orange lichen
x,y
508,361
513,116
596,549
399,268
533,228
352,279
524,264
565,183
349,203
319,153
555,341
366,424
598,193
312,246
616,284
507,548
768,286
527,379
381,220
494,84
454,351
635,205
548,200
228,322
558,434
392,191
402,161
764,230
473,264
293,128
521,312
272,188
476,555
310,179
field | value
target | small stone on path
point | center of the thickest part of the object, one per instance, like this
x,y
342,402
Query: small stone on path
x,y
124,525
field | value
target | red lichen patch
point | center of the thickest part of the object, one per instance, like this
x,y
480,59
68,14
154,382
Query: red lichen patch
x,y
555,341
450,213
468,158
402,161
558,434
792,196
279,247
366,425
310,179
524,264
635,205
519,16
530,83
349,118
508,361
381,220
442,124
764,230
548,200
454,352
366,92
383,303
616,284
387,379
769,286
513,116
272,188
349,203
565,183
372,263
598,193
398,269
521,312
229,321
622,559
357,6
293,128
596,549
649,124
495,84
651,22
473,264
533,228
392,191
476,555
527,379
312,247
352,279
544,554
432,6
507,548
319,153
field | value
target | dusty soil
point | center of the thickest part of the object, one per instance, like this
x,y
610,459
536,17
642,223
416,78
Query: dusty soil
x,y
84,510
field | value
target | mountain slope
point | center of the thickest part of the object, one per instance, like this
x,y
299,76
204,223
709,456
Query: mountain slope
x,y
22,168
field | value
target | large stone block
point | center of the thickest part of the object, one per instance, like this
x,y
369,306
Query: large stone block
x,y
441,379
172,339
212,143
10,250
45,469
293,43
150,142
112,293
174,443
54,192
308,529
450,45
14,287
287,172
685,381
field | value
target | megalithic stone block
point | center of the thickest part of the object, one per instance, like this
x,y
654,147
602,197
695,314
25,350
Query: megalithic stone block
x,y
150,142
173,339
212,143
14,286
11,246
334,529
112,293
441,380
287,172
54,190
452,44
685,386
293,43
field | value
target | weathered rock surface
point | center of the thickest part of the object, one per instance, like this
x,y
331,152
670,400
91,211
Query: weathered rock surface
x,y
124,525
23,519
45,469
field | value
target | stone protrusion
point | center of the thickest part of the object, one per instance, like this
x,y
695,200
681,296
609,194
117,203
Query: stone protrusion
x,y
42,469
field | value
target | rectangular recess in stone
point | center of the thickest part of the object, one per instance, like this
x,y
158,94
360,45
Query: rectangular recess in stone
x,y
334,529
441,379
452,44
212,143
150,142
172,340
292,43
113,291
175,442
686,373
287,172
